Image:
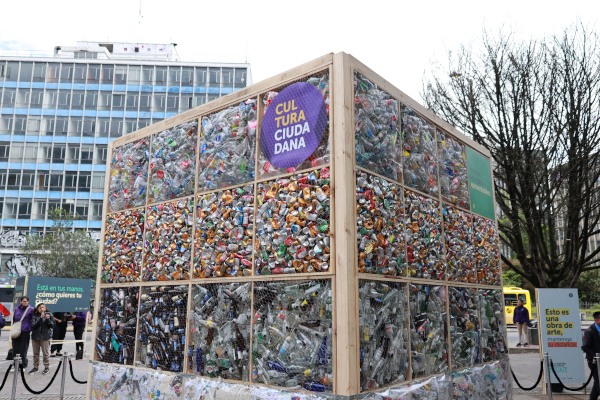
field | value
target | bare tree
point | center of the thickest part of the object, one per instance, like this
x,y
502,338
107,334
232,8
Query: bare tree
x,y
535,104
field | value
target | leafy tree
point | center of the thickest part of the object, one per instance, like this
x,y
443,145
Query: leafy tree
x,y
536,106
511,278
62,252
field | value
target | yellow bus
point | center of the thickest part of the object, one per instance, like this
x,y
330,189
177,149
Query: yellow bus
x,y
511,295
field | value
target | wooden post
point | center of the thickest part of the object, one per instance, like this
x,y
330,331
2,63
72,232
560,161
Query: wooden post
x,y
346,282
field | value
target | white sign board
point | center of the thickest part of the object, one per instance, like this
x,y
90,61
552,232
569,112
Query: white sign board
x,y
560,326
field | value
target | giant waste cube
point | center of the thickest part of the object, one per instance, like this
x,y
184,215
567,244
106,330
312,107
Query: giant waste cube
x,y
317,234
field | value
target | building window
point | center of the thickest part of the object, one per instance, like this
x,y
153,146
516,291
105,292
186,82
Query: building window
x,y
85,181
3,179
39,209
130,125
26,72
173,102
174,76
37,98
161,76
135,74
120,75
64,99
28,180
10,209
81,209
116,128
73,154
198,100
58,153
145,102
77,100
9,97
20,125
93,75
132,102
87,153
107,74
227,77
101,154
25,209
147,75
142,123
66,73
52,73
201,76
214,75
104,101
103,127
80,72
33,125
47,126
43,180
75,124
240,78
39,72
89,126
160,101
98,181
14,180
4,151
69,206
91,101
70,180
56,182
96,212
50,98
118,101
61,126
6,124
30,154
187,76
22,98
16,152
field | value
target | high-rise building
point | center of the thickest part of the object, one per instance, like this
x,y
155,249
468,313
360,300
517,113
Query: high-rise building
x,y
59,111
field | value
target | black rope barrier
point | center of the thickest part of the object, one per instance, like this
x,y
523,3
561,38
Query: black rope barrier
x,y
573,389
536,382
73,376
30,390
5,376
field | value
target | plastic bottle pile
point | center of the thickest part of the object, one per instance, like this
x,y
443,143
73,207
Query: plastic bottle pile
x,y
379,225
227,147
419,150
161,332
292,224
383,327
168,243
123,247
454,181
493,333
487,252
458,234
292,334
173,163
117,316
376,129
224,229
129,175
424,251
464,326
321,155
220,331
428,330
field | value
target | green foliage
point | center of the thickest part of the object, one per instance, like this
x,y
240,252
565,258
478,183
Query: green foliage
x,y
62,253
588,286
511,278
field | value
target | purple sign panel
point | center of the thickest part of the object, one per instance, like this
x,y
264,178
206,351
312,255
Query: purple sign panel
x,y
293,125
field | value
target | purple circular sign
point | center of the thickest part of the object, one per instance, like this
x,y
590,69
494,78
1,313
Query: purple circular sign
x,y
293,125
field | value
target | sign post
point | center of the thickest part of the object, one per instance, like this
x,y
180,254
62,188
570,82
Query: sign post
x,y
560,330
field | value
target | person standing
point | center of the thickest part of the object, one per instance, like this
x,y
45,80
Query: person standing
x,y
79,322
591,346
59,332
521,318
42,323
20,344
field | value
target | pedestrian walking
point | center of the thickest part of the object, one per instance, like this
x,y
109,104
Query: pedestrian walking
x,y
79,323
42,323
59,332
591,346
20,343
521,318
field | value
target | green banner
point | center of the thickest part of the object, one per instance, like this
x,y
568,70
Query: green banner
x,y
480,184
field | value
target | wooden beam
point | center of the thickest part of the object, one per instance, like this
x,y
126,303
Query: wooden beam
x,y
346,283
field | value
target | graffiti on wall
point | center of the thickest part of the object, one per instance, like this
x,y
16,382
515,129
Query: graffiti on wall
x,y
17,265
17,238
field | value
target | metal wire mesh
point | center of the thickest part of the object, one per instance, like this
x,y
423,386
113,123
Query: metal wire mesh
x,y
161,332
220,331
458,235
493,331
419,146
487,252
173,163
129,175
376,129
383,326
380,226
227,147
123,246
224,229
292,338
292,224
117,321
454,181
428,330
464,326
168,241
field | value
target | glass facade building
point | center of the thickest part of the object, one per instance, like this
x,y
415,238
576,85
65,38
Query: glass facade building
x,y
57,116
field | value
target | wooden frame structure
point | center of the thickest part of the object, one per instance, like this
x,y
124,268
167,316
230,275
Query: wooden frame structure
x,y
343,271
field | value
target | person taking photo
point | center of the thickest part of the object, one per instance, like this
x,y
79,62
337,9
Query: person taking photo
x,y
42,323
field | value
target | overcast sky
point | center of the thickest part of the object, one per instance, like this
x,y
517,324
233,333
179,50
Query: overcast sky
x,y
397,39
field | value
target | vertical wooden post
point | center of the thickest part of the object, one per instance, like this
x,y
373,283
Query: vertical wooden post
x,y
346,282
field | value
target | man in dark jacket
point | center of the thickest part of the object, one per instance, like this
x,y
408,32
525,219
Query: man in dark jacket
x,y
591,346
79,323
59,332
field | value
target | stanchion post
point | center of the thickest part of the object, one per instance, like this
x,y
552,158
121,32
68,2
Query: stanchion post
x,y
597,362
64,375
547,375
13,395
